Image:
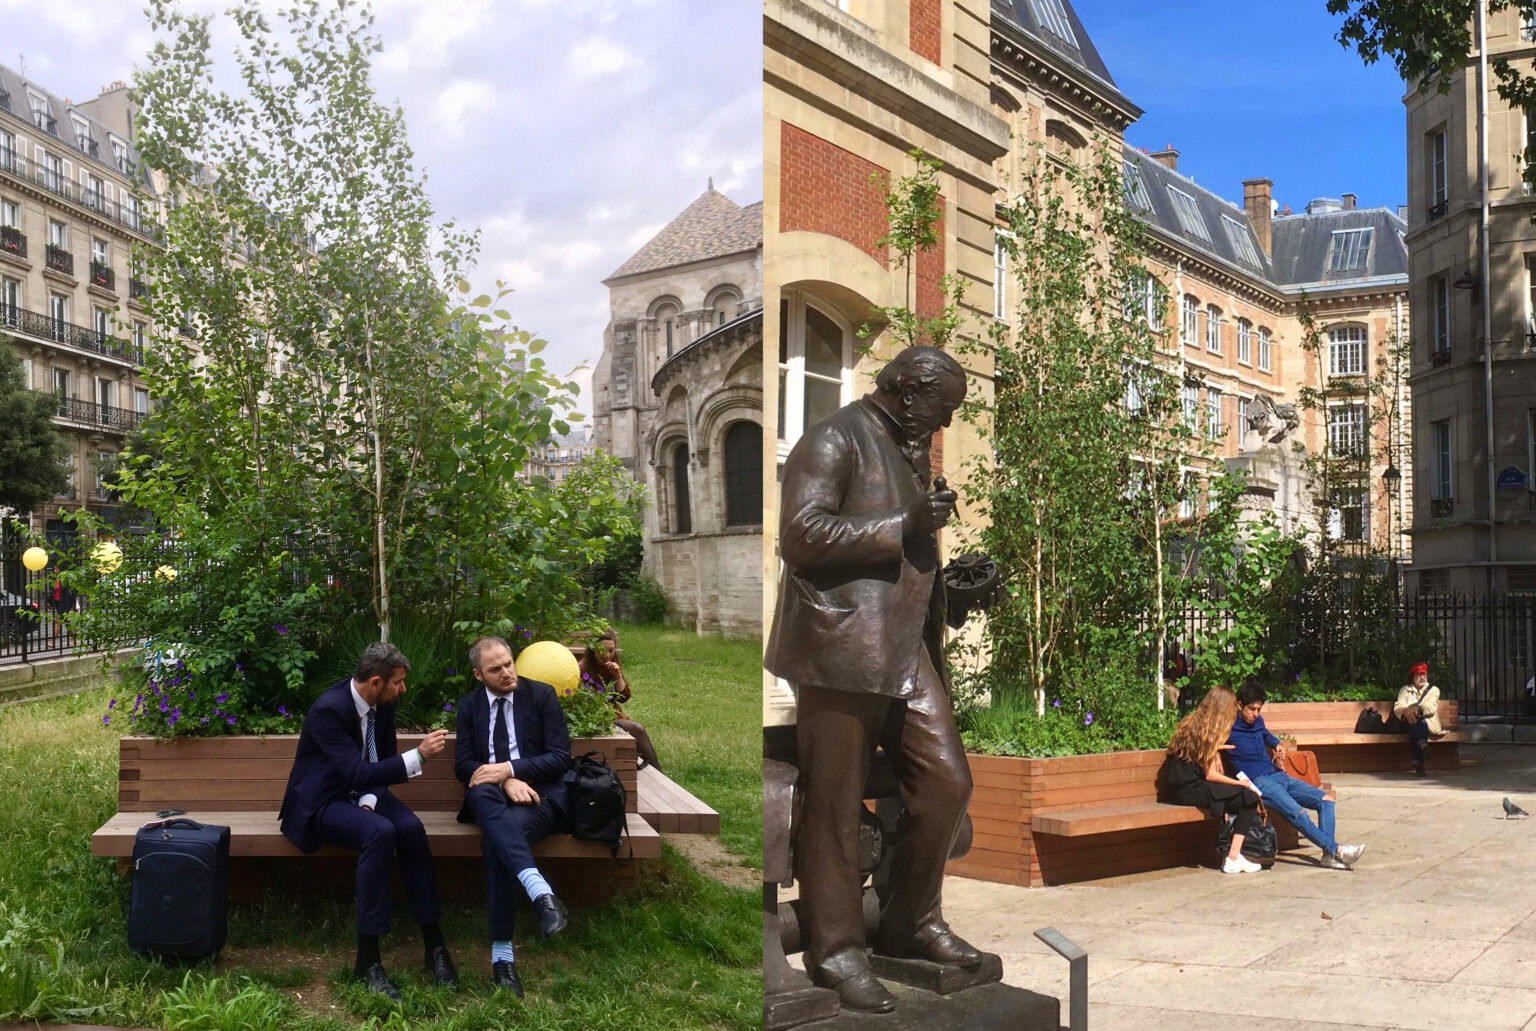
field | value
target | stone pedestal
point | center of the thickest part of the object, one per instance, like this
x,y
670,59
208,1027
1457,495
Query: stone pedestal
x,y
1278,483
983,1008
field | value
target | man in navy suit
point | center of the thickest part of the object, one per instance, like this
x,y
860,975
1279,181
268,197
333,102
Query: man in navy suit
x,y
512,754
338,794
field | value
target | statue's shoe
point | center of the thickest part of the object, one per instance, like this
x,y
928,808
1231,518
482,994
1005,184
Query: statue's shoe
x,y
935,943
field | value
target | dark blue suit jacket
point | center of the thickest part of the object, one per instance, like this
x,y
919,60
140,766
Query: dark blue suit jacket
x,y
329,765
543,741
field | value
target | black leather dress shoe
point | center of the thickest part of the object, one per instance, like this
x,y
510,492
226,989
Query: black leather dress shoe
x,y
553,916
860,990
379,983
504,975
441,966
936,943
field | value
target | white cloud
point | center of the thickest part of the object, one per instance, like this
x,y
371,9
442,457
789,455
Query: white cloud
x,y
598,56
464,99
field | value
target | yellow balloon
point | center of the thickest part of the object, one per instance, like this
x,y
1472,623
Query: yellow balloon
x,y
165,574
107,556
552,663
34,558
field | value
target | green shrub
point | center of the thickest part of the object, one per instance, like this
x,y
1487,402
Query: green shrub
x,y
648,596
216,1004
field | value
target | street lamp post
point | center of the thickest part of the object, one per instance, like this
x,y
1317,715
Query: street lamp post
x,y
1390,479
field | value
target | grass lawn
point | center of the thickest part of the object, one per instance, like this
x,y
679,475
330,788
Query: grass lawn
x,y
683,952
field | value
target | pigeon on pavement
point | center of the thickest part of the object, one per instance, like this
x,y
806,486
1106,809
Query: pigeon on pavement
x,y
1510,809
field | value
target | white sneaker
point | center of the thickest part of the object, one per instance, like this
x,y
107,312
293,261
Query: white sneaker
x,y
1242,864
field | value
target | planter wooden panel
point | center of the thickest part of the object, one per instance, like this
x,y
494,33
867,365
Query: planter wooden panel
x,y
1010,792
248,773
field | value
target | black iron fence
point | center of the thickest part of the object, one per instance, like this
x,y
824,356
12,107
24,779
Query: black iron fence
x,y
1481,647
34,605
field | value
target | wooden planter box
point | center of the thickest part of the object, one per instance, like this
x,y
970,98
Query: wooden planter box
x,y
249,773
1010,792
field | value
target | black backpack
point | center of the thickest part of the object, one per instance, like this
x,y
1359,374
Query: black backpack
x,y
595,801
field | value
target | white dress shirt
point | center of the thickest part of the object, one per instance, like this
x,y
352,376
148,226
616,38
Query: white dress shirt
x,y
490,748
412,758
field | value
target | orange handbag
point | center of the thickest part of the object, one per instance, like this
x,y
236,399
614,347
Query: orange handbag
x,y
1302,766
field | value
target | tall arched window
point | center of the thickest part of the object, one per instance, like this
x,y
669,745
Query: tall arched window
x,y
665,313
815,366
682,519
723,301
744,475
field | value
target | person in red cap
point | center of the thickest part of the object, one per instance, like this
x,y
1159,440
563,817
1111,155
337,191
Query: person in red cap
x,y
1418,705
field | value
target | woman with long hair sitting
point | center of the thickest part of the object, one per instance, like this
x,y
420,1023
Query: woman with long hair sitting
x,y
1193,774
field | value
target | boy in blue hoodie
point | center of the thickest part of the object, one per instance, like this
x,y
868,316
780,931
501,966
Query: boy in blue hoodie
x,y
1249,745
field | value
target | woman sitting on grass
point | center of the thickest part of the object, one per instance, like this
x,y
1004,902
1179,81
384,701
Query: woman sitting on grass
x,y
1193,775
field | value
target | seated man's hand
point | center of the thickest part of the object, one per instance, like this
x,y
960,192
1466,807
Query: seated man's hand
x,y
432,743
1279,753
520,791
1410,715
490,773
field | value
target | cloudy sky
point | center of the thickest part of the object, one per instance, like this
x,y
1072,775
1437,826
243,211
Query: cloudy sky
x,y
569,131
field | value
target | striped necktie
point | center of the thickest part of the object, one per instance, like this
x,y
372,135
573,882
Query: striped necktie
x,y
368,742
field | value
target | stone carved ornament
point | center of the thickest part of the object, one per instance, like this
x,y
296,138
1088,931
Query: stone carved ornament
x,y
1272,422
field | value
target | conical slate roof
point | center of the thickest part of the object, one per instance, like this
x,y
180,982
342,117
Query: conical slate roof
x,y
711,227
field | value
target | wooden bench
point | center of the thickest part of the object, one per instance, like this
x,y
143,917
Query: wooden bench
x,y
1328,729
670,808
239,782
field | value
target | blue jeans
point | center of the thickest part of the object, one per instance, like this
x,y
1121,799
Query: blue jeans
x,y
1288,796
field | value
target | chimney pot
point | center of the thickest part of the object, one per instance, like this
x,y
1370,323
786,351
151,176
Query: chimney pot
x,y
1258,201
1349,202
1167,157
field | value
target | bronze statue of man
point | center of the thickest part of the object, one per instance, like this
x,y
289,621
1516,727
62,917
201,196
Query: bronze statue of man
x,y
858,634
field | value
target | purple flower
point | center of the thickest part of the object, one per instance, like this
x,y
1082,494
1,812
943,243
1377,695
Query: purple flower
x,y
230,721
191,695
1056,704
221,698
204,721
112,703
106,719
282,711
1089,721
279,628
154,686
447,706
450,671
175,715
238,666
527,633
163,706
138,699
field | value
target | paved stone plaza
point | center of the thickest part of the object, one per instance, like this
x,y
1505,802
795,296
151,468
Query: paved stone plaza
x,y
1436,927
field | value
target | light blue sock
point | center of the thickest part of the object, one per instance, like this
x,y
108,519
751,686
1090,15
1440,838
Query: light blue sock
x,y
534,884
501,952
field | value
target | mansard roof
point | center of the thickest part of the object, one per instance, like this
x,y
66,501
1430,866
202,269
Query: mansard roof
x,y
713,226
1324,249
65,116
1078,50
1306,246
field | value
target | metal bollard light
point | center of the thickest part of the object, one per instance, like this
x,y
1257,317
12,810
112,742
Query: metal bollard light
x,y
1077,960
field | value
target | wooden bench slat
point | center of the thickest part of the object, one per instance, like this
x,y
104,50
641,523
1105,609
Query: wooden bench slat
x,y
1305,738
671,808
256,833
1107,819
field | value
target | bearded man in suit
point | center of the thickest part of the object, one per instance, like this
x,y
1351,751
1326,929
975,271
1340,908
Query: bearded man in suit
x,y
858,634
512,752
338,794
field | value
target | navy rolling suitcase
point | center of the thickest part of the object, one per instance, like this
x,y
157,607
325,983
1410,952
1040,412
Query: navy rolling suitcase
x,y
179,906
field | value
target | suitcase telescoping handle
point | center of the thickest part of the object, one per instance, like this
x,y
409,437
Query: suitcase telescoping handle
x,y
180,821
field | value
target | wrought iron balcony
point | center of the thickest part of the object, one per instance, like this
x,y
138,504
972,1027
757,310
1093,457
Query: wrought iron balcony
x,y
107,417
46,122
1440,357
44,327
13,241
88,145
101,493
137,289
1440,507
60,260
1437,210
5,99
15,164
102,275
